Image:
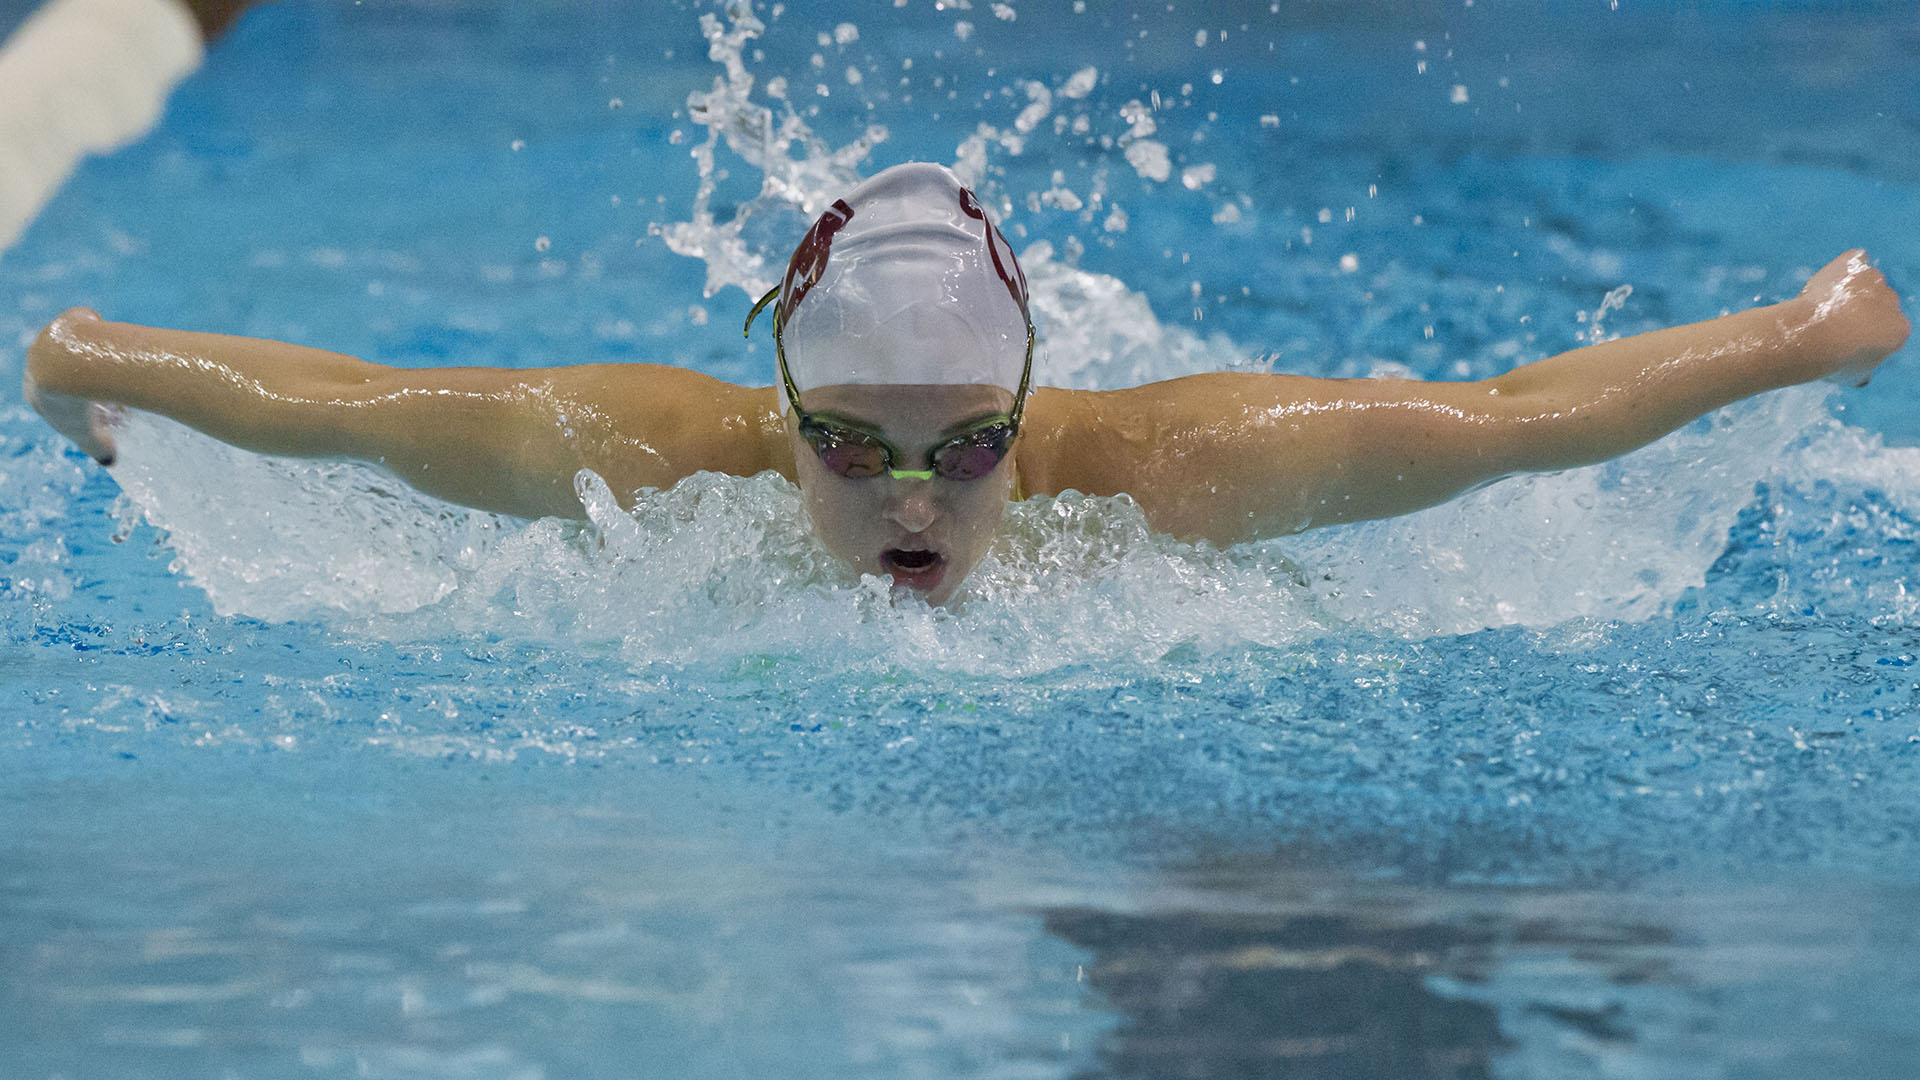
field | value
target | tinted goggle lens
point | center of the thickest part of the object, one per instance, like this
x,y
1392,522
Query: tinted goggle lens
x,y
973,456
853,454
848,454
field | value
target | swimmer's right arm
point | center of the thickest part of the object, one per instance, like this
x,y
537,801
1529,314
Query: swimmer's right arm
x,y
504,440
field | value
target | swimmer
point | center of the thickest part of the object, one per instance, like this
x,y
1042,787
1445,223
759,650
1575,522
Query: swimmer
x,y
904,409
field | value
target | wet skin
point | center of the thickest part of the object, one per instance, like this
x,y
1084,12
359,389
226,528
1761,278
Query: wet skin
x,y
926,533
1224,457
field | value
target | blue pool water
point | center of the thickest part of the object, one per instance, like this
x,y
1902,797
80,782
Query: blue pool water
x,y
1607,773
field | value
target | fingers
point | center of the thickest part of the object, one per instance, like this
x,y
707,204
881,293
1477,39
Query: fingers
x,y
1851,318
102,419
89,424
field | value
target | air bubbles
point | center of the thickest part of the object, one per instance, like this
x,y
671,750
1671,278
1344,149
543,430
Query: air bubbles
x,y
1080,83
1149,159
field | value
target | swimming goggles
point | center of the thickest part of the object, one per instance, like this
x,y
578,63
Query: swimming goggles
x,y
857,453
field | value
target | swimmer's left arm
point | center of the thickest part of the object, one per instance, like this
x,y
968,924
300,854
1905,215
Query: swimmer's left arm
x,y
1233,456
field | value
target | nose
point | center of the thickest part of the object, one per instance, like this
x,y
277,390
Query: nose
x,y
910,504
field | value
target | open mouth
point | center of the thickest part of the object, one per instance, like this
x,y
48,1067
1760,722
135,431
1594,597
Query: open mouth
x,y
915,568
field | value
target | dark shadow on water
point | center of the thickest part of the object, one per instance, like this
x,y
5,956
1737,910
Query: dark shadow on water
x,y
1313,996
1344,987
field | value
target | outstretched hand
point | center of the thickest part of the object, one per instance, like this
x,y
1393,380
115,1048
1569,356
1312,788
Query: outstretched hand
x,y
88,423
1854,317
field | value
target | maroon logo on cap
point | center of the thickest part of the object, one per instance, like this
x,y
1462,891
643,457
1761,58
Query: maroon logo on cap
x,y
1016,279
810,258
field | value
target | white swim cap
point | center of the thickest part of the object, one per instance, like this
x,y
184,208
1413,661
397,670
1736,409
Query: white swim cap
x,y
905,282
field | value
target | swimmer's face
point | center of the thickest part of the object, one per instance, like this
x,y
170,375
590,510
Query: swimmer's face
x,y
927,534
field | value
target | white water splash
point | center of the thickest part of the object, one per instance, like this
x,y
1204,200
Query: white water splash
x,y
716,567
1615,300
283,539
37,487
1096,333
724,567
802,172
1619,540
1824,537
794,186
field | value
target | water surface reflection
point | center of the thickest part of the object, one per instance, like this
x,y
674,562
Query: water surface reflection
x,y
1237,972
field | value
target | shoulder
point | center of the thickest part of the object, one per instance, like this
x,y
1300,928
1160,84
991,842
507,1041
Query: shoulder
x,y
1102,441
679,421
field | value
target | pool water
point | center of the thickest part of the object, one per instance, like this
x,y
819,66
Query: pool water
x,y
1614,772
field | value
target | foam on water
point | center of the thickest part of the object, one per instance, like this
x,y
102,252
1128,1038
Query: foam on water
x,y
728,567
1620,540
